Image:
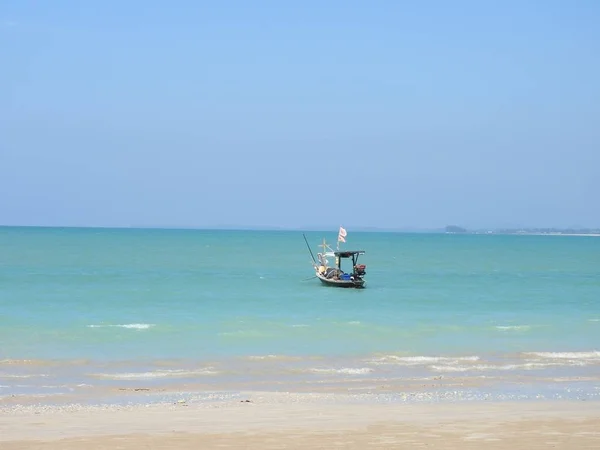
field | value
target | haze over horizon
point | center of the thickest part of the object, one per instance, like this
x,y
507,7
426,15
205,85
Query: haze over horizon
x,y
387,114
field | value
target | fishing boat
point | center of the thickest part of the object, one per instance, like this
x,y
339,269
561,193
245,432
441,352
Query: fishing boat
x,y
334,275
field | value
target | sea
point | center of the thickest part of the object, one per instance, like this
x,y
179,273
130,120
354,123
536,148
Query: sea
x,y
149,315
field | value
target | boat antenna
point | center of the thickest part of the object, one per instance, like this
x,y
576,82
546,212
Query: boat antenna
x,y
311,253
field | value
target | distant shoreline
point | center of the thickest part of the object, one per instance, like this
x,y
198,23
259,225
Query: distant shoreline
x,y
566,234
537,231
312,229
524,234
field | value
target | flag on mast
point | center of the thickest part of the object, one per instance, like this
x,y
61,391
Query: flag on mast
x,y
342,235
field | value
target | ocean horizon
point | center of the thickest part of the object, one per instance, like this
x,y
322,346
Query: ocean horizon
x,y
308,228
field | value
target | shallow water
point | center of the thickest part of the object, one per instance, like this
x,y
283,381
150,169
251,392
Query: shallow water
x,y
101,307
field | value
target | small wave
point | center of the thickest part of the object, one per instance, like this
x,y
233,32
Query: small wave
x,y
585,356
272,358
513,327
11,375
575,379
491,367
477,368
594,320
28,362
262,357
43,362
344,371
45,395
52,386
354,322
156,374
134,326
421,360
248,333
300,325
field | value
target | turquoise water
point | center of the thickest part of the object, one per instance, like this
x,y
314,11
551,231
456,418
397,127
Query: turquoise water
x,y
435,303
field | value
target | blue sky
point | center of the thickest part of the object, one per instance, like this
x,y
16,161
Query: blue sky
x,y
382,113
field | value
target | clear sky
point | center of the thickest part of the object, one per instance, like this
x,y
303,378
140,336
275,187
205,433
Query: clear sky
x,y
291,113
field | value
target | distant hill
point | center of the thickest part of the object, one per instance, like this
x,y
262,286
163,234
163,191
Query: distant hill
x,y
454,229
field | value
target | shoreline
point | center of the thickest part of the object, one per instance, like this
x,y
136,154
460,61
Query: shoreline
x,y
390,378
289,420
439,390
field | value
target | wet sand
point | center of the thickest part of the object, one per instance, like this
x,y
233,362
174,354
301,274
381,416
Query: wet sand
x,y
272,421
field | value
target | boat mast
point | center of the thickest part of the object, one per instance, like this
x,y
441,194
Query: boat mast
x,y
322,257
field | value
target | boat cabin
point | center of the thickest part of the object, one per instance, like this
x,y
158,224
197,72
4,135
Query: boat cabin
x,y
339,255
357,269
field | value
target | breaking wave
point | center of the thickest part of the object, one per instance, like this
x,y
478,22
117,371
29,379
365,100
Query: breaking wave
x,y
156,374
12,375
513,327
493,367
573,356
272,358
342,371
134,326
421,360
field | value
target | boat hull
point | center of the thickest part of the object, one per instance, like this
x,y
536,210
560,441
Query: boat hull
x,y
356,284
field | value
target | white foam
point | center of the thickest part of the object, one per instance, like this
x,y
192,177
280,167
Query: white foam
x,y
156,374
243,333
533,361
584,356
19,361
138,326
10,375
262,357
421,360
462,368
344,371
300,325
135,326
539,365
272,358
491,367
354,322
50,394
594,320
513,327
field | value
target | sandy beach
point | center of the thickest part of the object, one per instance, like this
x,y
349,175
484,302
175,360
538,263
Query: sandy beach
x,y
279,420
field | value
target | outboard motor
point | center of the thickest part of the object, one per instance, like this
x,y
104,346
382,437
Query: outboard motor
x,y
359,269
